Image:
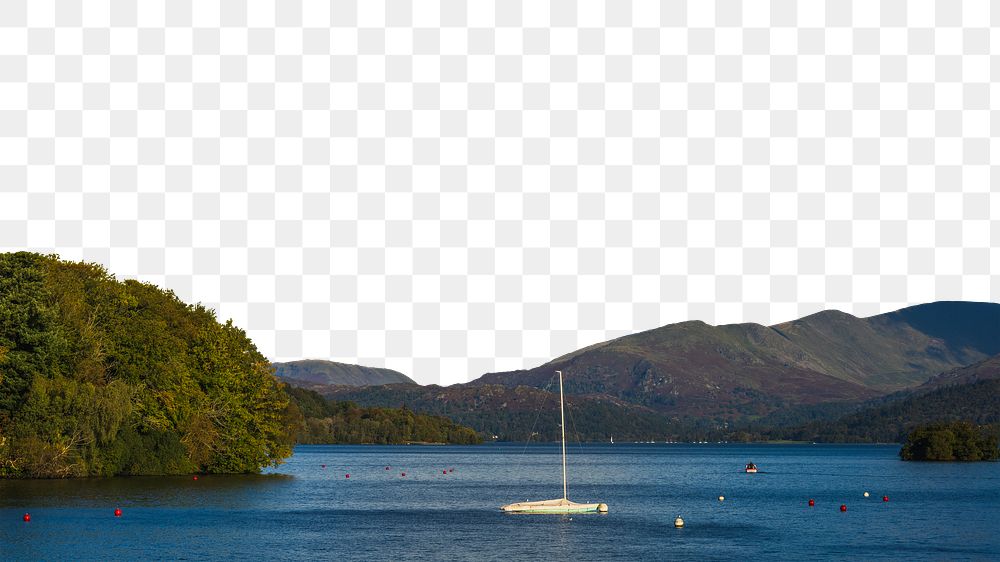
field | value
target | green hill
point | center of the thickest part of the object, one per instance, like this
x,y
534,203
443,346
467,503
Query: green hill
x,y
690,378
890,421
320,372
105,377
983,370
514,413
738,371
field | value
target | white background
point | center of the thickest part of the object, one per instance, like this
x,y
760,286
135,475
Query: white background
x,y
450,188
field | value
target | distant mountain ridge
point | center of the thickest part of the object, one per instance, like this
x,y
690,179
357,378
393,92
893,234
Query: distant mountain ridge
x,y
692,372
692,367
312,372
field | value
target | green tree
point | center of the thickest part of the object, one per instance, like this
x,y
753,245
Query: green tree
x,y
951,441
102,377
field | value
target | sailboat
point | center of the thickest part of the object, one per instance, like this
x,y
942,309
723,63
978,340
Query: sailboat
x,y
563,504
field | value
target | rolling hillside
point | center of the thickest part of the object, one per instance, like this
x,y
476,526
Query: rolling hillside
x,y
692,376
310,372
977,402
693,367
983,370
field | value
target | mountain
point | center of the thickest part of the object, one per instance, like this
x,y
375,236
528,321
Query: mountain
x,y
310,372
693,377
696,368
898,349
693,368
983,370
977,402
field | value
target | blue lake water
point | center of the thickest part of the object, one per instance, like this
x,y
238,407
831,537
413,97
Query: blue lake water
x,y
303,511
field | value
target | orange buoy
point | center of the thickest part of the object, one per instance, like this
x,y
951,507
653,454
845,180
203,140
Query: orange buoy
x,y
843,507
118,512
885,498
812,503
27,517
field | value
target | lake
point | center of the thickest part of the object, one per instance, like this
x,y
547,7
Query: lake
x,y
447,507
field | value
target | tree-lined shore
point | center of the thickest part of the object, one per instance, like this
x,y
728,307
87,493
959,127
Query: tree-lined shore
x,y
101,377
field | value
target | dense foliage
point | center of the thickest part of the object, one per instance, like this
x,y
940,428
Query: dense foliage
x,y
953,441
104,377
326,421
891,418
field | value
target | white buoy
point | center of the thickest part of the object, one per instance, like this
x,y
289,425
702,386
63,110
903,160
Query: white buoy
x,y
678,522
722,498
866,494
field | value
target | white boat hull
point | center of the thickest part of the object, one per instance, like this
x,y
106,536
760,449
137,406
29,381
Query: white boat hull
x,y
555,506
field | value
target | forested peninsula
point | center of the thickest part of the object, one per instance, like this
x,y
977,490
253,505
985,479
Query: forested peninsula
x,y
101,377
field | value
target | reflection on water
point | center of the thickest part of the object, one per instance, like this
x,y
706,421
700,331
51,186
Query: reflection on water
x,y
447,507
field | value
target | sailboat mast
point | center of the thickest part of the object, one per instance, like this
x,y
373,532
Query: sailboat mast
x,y
562,415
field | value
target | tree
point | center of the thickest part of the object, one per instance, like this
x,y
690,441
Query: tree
x,y
103,377
328,421
951,441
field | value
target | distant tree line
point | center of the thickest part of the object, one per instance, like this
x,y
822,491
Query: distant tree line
x,y
889,420
326,421
951,441
528,414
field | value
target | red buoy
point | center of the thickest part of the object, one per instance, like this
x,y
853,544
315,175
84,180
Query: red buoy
x,y
27,517
885,498
402,474
812,503
444,472
118,512
387,468
347,476
195,477
323,465
451,470
843,507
